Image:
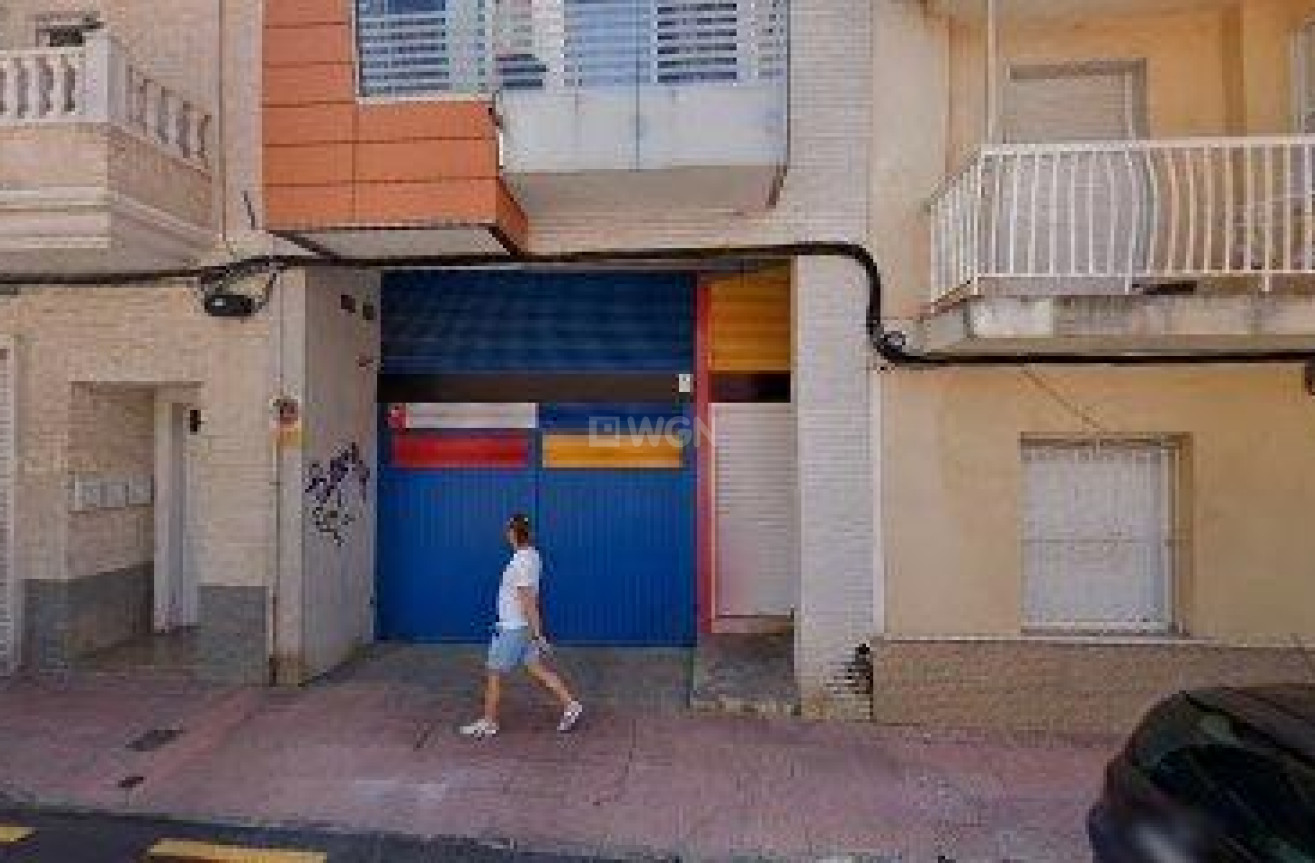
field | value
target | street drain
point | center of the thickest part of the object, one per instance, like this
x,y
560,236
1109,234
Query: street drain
x,y
155,739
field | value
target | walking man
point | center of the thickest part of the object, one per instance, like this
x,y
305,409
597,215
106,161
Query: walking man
x,y
518,637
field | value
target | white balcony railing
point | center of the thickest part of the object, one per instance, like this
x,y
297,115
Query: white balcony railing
x,y
99,83
474,47
1112,217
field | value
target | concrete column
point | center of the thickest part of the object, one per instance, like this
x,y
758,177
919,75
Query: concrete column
x,y
837,597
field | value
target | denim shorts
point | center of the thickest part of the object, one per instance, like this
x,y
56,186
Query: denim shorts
x,y
510,649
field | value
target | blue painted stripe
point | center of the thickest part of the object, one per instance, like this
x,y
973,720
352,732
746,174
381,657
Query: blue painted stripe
x,y
515,322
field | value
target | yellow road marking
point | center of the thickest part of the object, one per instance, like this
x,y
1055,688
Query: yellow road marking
x,y
11,833
181,849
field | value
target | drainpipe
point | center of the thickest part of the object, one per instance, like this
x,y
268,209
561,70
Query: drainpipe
x,y
993,71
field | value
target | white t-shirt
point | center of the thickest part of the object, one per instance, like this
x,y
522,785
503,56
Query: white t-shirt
x,y
522,571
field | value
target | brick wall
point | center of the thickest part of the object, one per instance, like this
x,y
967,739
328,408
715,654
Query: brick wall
x,y
111,434
1068,687
69,339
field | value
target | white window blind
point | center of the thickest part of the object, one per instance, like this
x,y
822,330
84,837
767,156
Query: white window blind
x,y
1098,536
1081,102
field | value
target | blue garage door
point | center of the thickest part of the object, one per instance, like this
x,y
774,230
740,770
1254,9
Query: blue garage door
x,y
483,376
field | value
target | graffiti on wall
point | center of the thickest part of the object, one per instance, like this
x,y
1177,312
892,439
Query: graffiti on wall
x,y
338,492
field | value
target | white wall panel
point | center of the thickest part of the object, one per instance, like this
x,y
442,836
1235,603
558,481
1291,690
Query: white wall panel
x,y
756,489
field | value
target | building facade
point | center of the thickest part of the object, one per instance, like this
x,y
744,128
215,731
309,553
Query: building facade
x,y
307,296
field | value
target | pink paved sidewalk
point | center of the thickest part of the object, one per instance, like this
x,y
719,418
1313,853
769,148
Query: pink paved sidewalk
x,y
385,757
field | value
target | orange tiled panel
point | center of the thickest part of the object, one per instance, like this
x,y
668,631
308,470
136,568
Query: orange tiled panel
x,y
334,161
293,125
411,161
749,316
577,451
290,13
463,202
309,84
310,165
512,221
400,121
311,43
294,207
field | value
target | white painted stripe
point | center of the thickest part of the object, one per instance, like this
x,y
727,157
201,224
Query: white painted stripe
x,y
510,415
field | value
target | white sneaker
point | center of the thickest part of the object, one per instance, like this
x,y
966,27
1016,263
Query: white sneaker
x,y
479,729
570,716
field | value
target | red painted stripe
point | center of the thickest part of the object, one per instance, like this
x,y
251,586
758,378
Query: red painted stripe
x,y
706,523
428,451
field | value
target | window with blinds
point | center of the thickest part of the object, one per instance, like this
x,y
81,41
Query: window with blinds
x,y
1093,101
1098,535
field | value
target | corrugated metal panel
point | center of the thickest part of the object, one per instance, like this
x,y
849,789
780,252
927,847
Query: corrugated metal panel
x,y
1098,535
562,322
618,549
618,543
420,451
750,322
442,550
492,415
601,452
9,595
636,417
755,494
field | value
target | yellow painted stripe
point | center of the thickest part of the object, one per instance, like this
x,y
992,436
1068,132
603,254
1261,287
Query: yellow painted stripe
x,y
602,452
182,849
11,833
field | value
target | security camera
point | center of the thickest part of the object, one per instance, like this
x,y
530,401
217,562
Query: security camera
x,y
226,304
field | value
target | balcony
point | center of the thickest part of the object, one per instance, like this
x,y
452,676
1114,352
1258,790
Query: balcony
x,y
102,167
1201,243
682,104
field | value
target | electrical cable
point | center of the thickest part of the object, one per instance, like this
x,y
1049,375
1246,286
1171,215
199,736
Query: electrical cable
x,y
1064,401
890,344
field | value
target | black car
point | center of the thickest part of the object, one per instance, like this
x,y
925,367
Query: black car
x,y
1217,775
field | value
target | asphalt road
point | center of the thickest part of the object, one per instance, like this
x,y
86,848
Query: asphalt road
x,y
59,837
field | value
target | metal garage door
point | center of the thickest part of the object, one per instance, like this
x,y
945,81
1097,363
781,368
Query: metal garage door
x,y
9,595
500,386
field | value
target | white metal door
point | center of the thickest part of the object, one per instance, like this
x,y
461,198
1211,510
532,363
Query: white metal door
x,y
176,588
755,491
10,599
1098,537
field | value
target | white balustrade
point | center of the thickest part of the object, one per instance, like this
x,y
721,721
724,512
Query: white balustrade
x,y
1109,217
100,83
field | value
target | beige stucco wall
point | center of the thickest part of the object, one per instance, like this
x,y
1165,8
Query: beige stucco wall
x,y
1266,53
1210,71
144,337
1184,54
952,484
